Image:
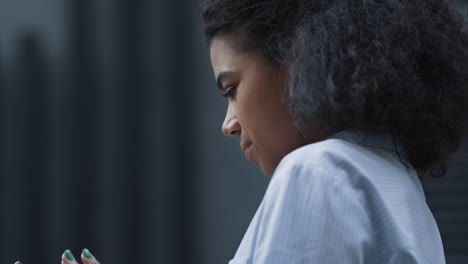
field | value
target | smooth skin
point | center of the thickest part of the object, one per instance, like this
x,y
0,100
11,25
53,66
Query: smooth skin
x,y
255,113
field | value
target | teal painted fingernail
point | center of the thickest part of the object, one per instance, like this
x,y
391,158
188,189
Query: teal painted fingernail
x,y
87,254
68,255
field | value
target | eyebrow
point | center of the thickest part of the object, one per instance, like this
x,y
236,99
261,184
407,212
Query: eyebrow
x,y
220,78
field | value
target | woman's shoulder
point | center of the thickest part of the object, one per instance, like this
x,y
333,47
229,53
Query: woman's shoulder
x,y
345,145
354,158
353,186
319,152
324,157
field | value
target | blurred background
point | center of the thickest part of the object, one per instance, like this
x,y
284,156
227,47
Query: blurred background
x,y
110,139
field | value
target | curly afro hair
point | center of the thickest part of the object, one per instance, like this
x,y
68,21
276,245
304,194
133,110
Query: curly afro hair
x,y
392,65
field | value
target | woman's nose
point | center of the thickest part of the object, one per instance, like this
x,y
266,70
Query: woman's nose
x,y
231,126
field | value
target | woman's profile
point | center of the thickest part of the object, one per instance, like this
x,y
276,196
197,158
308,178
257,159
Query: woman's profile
x,y
347,105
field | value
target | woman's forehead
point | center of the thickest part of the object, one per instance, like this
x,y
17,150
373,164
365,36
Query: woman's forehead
x,y
226,58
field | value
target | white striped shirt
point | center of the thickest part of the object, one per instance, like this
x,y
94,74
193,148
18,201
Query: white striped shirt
x,y
347,199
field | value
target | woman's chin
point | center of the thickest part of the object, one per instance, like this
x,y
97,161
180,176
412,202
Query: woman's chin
x,y
267,169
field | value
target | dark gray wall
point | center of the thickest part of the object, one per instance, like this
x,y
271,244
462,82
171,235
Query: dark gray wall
x,y
110,139
448,199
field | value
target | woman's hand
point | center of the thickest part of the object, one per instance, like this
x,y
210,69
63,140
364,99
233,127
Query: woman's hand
x,y
86,257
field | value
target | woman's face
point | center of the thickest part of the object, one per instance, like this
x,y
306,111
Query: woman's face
x,y
255,112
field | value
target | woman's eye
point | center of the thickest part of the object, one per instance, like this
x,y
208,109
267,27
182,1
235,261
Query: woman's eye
x,y
230,93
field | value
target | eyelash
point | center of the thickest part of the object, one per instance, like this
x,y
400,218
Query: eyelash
x,y
230,93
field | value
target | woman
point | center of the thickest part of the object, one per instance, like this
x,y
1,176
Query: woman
x,y
347,105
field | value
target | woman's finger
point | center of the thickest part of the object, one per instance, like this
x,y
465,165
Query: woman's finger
x,y
88,258
68,258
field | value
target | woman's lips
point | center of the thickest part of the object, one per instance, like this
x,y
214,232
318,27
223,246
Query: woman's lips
x,y
247,147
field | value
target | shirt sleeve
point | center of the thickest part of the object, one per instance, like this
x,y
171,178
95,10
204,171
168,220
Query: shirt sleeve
x,y
311,215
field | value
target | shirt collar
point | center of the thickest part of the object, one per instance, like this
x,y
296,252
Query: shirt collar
x,y
372,138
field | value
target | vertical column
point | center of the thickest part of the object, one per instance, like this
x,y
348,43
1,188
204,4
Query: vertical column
x,y
3,197
180,148
25,156
33,104
172,90
78,130
132,91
